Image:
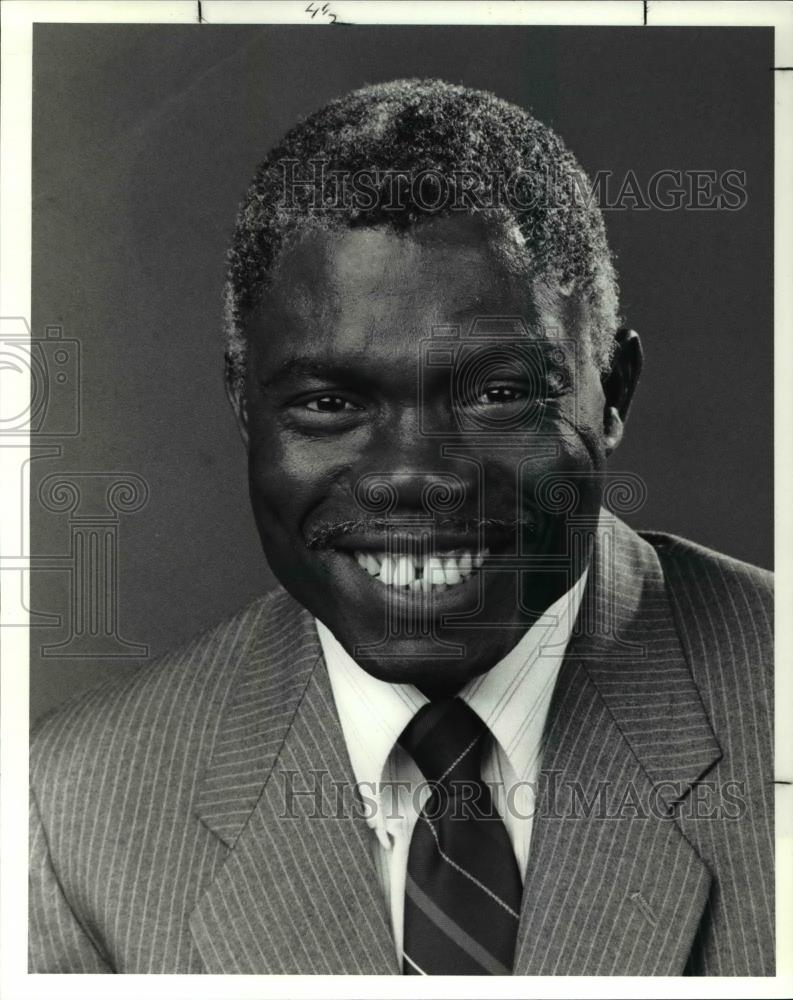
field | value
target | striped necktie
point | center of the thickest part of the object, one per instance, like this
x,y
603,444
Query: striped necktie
x,y
463,888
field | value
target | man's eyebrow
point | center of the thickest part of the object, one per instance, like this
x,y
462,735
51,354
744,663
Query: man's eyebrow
x,y
298,368
330,367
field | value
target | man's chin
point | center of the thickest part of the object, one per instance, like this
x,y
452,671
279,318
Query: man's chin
x,y
443,664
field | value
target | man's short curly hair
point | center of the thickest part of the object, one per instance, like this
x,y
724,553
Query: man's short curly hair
x,y
414,127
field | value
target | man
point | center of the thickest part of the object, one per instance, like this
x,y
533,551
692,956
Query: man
x,y
484,728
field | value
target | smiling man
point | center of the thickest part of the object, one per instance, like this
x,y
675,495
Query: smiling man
x,y
483,727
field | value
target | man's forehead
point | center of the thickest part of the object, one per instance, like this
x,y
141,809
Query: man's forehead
x,y
450,270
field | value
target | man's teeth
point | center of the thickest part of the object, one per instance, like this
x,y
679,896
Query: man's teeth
x,y
440,570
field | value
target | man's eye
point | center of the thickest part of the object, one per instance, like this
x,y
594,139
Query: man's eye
x,y
557,383
500,394
330,404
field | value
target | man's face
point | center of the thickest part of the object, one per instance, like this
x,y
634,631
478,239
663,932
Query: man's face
x,y
400,480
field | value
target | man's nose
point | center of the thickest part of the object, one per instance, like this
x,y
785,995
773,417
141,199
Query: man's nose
x,y
412,471
428,491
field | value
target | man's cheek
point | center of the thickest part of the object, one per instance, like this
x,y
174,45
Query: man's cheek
x,y
277,500
575,426
277,470
557,447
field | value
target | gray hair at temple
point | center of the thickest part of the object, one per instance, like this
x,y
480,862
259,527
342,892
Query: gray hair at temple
x,y
338,167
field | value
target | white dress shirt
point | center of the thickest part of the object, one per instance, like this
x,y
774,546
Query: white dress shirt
x,y
512,699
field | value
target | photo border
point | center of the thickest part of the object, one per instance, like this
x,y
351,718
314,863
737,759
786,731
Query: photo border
x,y
18,17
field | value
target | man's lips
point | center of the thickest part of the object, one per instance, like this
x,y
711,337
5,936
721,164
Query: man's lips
x,y
380,534
431,570
445,564
421,541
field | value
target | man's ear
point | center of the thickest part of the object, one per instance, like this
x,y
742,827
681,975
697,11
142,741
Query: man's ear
x,y
236,397
619,385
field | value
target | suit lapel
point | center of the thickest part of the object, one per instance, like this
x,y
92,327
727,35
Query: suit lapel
x,y
613,887
299,891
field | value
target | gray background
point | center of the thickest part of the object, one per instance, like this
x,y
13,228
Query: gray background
x,y
144,140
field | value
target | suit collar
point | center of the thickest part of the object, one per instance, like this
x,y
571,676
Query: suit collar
x,y
272,677
627,639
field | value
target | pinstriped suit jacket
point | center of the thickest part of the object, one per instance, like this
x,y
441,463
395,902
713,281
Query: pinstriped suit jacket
x,y
169,832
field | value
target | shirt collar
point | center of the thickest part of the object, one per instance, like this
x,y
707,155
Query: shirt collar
x,y
512,698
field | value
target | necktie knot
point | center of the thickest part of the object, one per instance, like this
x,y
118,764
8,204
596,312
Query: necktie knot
x,y
446,738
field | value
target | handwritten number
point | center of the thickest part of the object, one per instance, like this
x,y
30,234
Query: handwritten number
x,y
313,9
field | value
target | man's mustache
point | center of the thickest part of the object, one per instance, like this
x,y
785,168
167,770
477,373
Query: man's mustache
x,y
327,533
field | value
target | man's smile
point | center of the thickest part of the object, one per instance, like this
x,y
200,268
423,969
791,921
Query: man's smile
x,y
422,572
380,581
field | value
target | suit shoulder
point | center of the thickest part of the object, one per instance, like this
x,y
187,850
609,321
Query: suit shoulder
x,y
688,561
171,700
723,606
